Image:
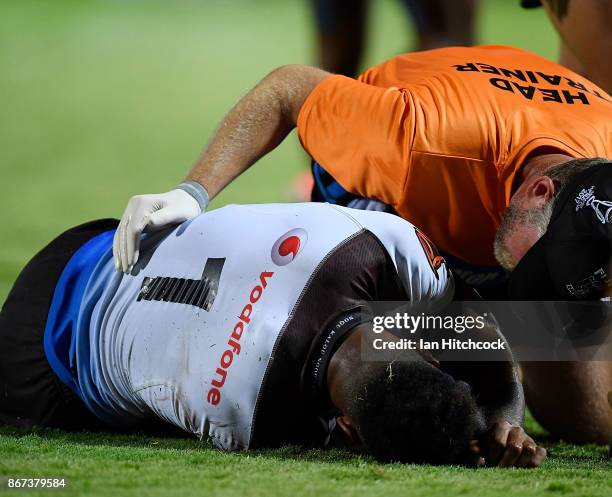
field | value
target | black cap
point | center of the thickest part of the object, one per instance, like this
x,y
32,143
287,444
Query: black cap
x,y
528,4
573,259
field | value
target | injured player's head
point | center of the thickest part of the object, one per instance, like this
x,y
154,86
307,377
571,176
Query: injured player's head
x,y
405,410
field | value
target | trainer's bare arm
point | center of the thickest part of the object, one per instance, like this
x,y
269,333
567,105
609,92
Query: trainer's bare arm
x,y
255,126
586,37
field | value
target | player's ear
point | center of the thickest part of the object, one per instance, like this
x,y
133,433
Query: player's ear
x,y
345,424
539,191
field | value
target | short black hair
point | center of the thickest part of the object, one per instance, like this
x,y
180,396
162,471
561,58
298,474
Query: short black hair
x,y
412,412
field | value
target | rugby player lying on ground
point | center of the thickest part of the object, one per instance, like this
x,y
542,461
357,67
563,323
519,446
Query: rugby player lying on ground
x,y
454,140
243,326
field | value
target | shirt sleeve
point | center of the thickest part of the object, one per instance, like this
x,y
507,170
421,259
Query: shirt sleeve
x,y
361,135
423,272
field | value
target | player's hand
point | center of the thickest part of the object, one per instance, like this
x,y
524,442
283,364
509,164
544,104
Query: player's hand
x,y
149,213
506,445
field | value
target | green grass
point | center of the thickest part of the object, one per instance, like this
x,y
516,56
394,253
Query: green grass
x,y
100,100
100,464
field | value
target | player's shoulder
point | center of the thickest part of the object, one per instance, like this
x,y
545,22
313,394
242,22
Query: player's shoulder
x,y
279,207
267,211
377,221
418,262
397,235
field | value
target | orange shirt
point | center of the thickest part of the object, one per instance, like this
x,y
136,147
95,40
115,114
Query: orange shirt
x,y
441,134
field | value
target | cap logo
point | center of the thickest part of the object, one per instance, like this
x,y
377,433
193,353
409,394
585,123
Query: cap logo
x,y
597,281
602,208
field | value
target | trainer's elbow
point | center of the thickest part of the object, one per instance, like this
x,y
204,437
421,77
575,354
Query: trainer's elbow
x,y
292,84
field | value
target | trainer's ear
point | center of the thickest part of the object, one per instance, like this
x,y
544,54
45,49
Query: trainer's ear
x,y
345,424
539,191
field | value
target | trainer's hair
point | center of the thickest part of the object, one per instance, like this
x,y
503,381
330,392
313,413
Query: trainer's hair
x,y
539,218
561,175
412,412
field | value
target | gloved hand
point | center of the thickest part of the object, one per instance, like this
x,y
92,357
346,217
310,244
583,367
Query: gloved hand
x,y
151,213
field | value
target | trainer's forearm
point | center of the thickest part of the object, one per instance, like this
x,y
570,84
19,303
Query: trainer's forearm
x,y
496,387
256,125
507,404
494,379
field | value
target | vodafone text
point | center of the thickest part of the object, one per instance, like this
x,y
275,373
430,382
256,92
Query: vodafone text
x,y
214,393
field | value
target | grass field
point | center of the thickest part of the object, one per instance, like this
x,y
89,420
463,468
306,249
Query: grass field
x,y
104,99
139,465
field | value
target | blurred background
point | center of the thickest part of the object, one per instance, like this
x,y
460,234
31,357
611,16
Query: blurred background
x,y
104,99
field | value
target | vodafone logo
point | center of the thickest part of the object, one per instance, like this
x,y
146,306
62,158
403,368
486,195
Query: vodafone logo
x,y
288,246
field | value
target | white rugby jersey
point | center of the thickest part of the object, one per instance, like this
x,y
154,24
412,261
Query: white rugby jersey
x,y
211,329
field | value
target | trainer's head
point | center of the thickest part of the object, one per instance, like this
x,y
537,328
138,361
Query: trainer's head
x,y
557,232
410,411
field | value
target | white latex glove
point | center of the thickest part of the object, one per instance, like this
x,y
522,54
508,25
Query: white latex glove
x,y
149,213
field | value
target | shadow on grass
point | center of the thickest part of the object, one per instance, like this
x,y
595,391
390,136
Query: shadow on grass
x,y
175,440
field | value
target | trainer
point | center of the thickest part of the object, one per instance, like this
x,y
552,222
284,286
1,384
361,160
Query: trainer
x,y
453,140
